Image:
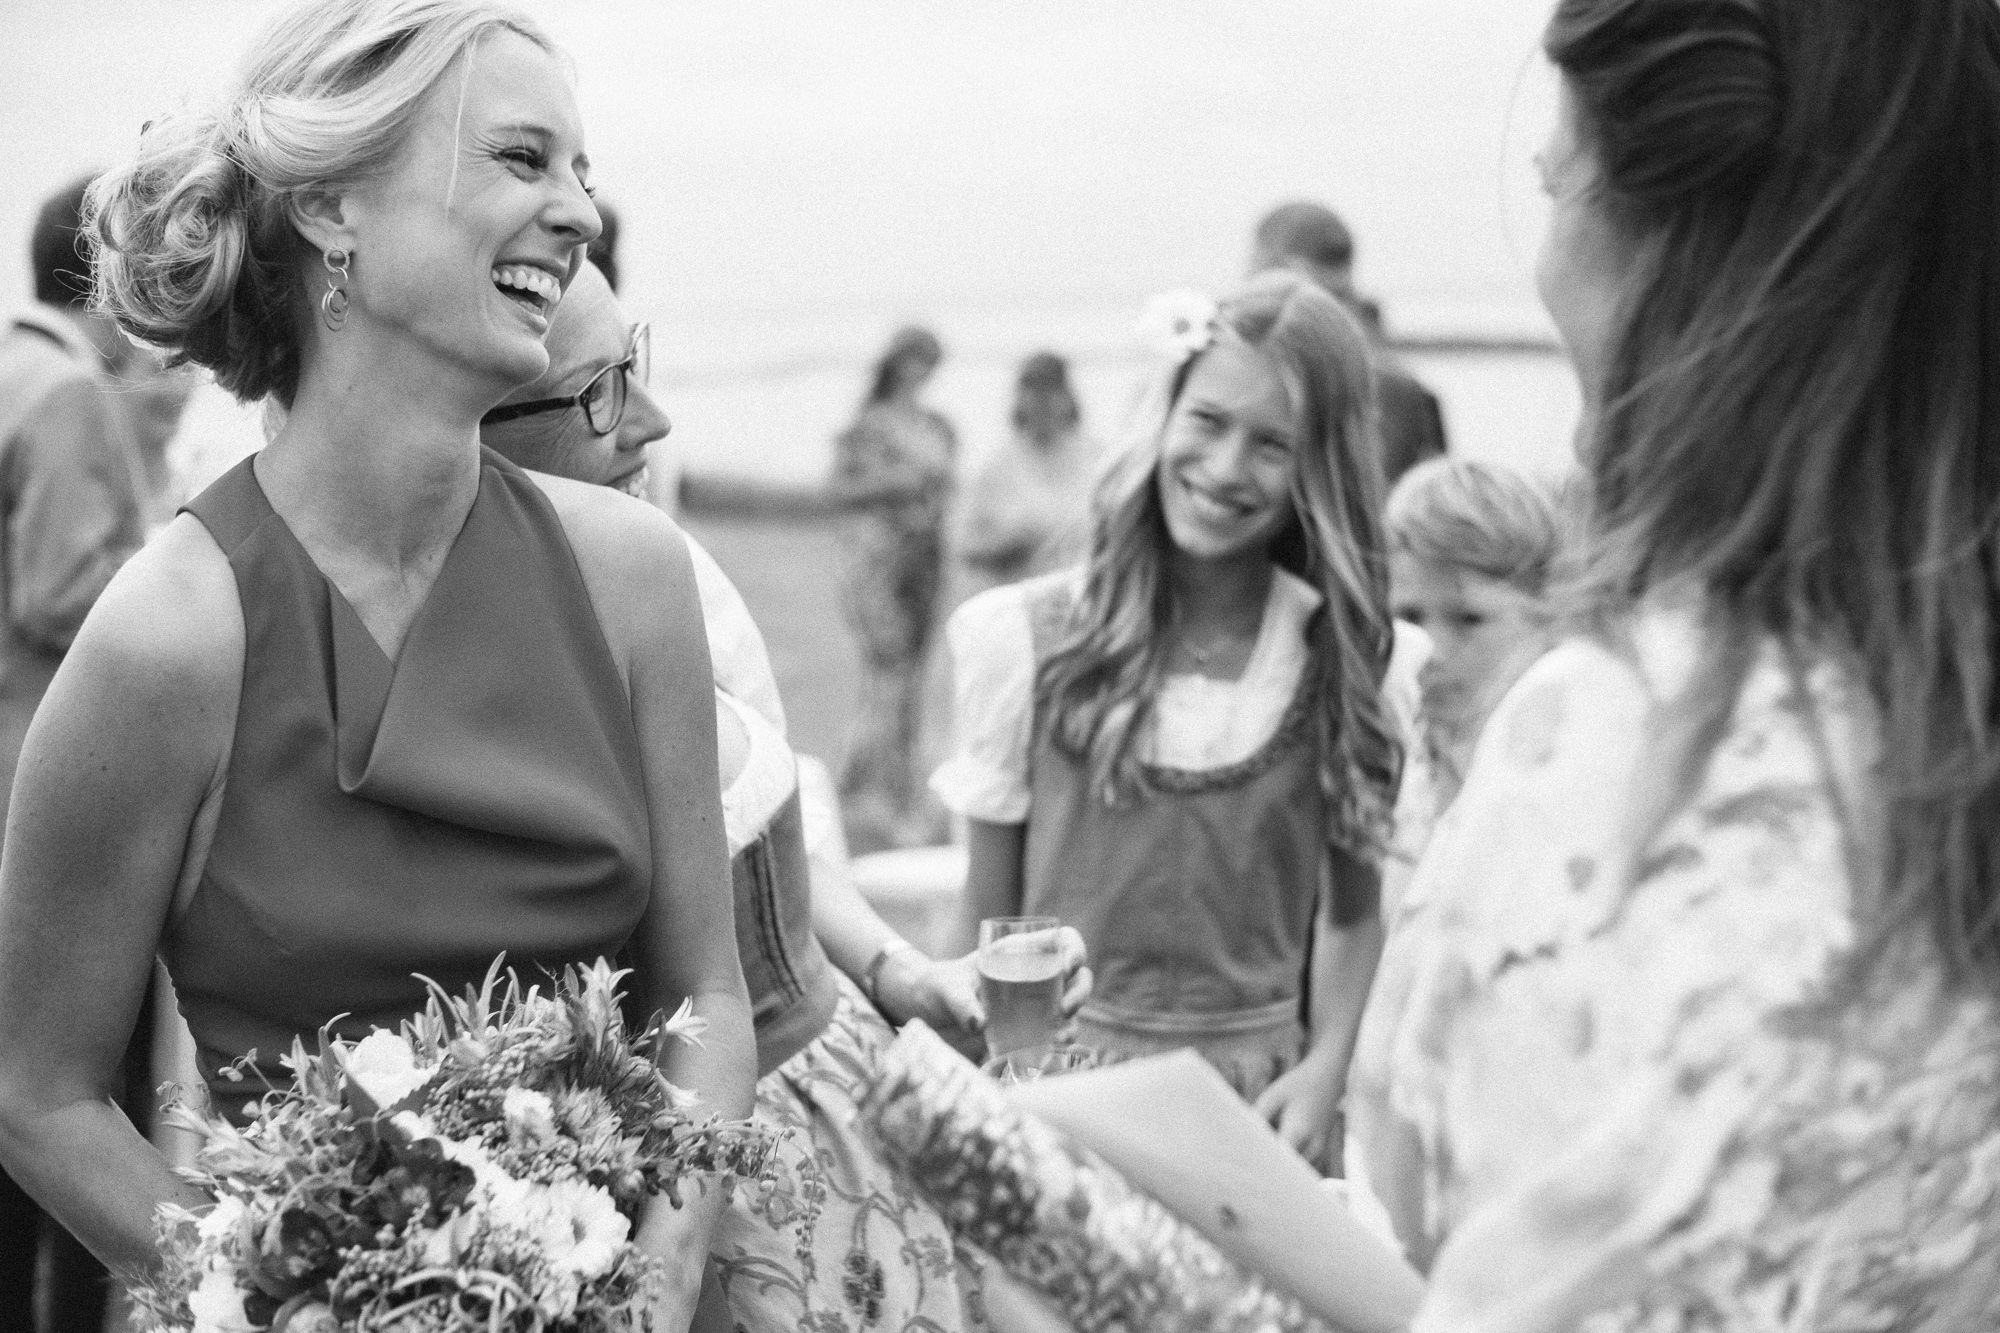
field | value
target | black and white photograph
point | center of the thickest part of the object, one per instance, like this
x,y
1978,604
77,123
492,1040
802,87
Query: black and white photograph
x,y
1011,666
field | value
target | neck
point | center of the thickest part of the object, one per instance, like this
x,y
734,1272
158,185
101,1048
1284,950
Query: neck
x,y
1221,592
375,459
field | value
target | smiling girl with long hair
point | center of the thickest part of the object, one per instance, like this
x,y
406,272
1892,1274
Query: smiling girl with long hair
x,y
1183,749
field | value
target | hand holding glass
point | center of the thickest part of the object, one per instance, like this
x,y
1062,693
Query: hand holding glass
x,y
1020,980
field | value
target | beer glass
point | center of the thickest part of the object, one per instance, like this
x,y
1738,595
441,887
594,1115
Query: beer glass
x,y
1020,981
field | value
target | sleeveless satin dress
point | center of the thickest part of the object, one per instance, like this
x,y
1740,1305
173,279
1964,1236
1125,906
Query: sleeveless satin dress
x,y
482,793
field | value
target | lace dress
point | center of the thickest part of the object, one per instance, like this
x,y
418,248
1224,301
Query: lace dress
x,y
1614,1091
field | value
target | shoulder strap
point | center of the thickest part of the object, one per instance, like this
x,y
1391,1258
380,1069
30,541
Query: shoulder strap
x,y
233,506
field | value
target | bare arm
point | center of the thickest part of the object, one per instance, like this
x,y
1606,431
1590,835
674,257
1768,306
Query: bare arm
x,y
908,983
1305,1104
642,580
129,743
993,883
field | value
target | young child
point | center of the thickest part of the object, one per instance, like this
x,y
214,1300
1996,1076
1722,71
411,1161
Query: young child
x,y
1183,748
1471,549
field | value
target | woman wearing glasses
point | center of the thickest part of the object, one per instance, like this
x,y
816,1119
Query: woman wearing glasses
x,y
577,433
378,703
825,971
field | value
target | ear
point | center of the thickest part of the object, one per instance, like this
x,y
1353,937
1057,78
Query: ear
x,y
324,219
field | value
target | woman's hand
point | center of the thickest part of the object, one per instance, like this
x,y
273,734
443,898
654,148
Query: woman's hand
x,y
945,993
1303,1105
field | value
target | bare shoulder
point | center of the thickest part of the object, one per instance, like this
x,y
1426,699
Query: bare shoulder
x,y
634,560
155,673
172,613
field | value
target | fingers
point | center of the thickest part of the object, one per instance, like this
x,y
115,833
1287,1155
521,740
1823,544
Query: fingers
x,y
962,1003
958,987
1077,992
1069,941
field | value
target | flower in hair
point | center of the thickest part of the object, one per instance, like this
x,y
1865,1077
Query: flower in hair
x,y
1178,324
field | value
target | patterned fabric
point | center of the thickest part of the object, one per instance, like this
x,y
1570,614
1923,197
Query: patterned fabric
x,y
1628,1092
895,572
879,1258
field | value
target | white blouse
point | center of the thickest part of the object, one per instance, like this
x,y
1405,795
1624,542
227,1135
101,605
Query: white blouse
x,y
736,651
1198,722
765,781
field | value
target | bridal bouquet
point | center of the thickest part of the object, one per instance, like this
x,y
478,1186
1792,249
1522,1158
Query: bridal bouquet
x,y
482,1169
1108,1258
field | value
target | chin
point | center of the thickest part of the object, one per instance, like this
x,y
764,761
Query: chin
x,y
525,362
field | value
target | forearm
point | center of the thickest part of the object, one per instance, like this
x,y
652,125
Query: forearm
x,y
722,1073
993,879
1343,969
90,1169
850,930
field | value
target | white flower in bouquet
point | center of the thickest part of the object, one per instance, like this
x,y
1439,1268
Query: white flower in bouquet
x,y
217,1304
383,1065
529,1115
221,1221
579,1226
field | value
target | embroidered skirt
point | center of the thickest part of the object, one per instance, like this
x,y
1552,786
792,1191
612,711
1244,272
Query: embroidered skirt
x,y
878,1258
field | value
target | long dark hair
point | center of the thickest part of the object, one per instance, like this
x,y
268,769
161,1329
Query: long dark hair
x,y
1096,691
1801,414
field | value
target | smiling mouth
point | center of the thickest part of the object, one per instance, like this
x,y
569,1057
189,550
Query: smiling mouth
x,y
633,483
526,285
1210,505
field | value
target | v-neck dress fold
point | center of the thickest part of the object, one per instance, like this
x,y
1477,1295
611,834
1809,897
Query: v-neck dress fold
x,y
481,794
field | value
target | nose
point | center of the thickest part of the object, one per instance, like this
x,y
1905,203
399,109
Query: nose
x,y
572,214
645,420
1225,463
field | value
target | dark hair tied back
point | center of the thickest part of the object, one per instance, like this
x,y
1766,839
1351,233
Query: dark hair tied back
x,y
1682,96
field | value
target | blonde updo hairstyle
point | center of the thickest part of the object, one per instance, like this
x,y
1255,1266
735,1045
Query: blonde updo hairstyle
x,y
198,247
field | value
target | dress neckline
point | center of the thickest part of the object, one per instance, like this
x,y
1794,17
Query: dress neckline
x,y
347,622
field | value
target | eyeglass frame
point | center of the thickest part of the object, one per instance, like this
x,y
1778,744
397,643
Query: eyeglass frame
x,y
637,363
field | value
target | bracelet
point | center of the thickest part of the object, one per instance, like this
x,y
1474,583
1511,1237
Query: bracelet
x,y
871,976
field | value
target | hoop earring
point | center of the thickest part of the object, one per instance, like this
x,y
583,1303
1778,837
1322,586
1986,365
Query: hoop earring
x,y
333,306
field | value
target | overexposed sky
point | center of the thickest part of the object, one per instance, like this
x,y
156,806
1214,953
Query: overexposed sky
x,y
842,162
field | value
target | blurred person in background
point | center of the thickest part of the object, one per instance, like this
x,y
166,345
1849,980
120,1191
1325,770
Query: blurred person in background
x,y
1474,552
827,975
893,471
71,513
1472,548
153,397
1309,238
1027,510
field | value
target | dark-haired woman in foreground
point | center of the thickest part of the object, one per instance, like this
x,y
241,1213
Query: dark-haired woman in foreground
x,y
1698,1025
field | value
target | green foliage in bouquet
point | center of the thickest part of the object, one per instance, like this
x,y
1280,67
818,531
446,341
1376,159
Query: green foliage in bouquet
x,y
481,1169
